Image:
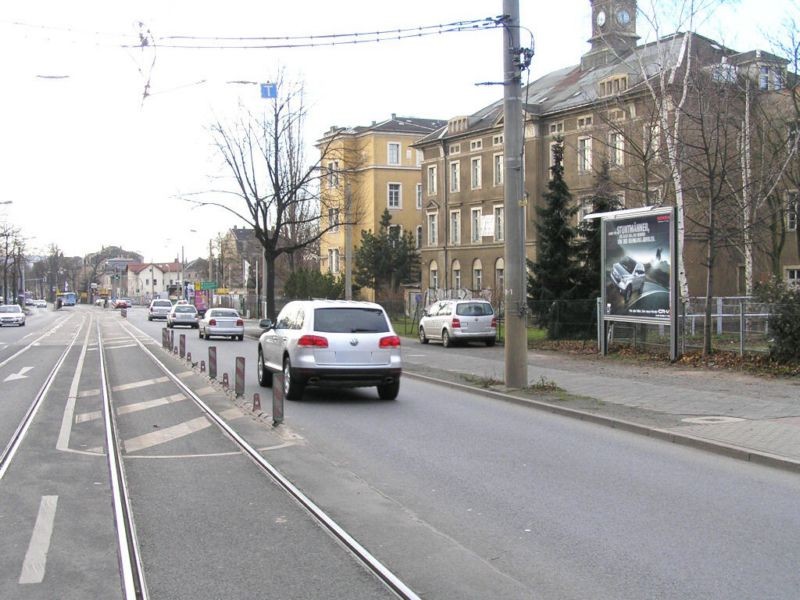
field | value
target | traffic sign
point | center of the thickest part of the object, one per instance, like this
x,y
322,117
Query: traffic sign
x,y
208,285
269,90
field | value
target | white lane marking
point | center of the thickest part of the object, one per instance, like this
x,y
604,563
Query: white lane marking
x,y
168,434
62,443
121,346
87,393
36,557
90,416
231,414
184,374
35,342
205,391
131,408
138,384
19,375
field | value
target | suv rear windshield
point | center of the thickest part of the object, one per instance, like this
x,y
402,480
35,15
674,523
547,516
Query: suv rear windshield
x,y
474,309
350,320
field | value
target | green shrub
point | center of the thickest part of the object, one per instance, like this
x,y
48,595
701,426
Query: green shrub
x,y
784,320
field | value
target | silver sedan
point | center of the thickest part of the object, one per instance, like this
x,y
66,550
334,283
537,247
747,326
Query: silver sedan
x,y
223,322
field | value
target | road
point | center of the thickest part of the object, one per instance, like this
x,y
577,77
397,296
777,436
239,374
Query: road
x,y
459,495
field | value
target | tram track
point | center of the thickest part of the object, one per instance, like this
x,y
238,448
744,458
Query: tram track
x,y
130,557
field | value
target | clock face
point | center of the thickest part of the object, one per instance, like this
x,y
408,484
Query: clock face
x,y
601,18
623,17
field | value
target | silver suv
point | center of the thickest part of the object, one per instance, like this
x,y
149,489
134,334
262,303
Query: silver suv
x,y
330,343
459,321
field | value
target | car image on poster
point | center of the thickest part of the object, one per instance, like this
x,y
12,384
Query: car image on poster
x,y
638,265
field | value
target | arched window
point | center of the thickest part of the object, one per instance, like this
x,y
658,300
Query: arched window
x,y
456,270
499,276
433,281
477,275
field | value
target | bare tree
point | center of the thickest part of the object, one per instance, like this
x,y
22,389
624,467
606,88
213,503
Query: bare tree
x,y
275,188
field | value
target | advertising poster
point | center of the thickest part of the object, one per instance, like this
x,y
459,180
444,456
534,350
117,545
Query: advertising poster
x,y
638,266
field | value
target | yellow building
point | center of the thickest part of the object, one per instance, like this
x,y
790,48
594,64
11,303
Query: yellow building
x,y
381,170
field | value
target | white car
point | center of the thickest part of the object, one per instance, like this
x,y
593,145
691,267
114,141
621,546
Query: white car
x,y
182,314
12,314
453,321
159,309
224,322
330,343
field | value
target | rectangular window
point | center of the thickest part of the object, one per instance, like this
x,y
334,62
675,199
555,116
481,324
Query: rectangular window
x,y
457,279
433,227
498,169
477,279
616,149
333,219
499,223
419,196
455,176
793,277
476,145
333,174
497,140
455,227
454,149
585,122
434,281
393,152
418,238
584,154
475,225
791,211
394,196
395,234
654,197
432,180
556,128
475,173
763,78
333,261
551,159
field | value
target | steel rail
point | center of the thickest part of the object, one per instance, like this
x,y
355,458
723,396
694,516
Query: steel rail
x,y
22,429
372,564
134,586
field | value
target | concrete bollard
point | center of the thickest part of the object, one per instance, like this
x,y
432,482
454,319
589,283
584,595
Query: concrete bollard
x,y
165,338
238,380
182,345
212,362
225,383
202,366
256,402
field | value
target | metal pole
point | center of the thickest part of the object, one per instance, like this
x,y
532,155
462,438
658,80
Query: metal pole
x,y
516,346
348,244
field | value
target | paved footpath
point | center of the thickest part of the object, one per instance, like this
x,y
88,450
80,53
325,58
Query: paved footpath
x,y
753,418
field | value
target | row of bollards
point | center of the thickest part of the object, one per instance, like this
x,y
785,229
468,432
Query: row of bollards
x,y
168,343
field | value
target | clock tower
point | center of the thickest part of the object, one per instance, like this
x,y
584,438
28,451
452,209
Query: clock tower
x,y
613,31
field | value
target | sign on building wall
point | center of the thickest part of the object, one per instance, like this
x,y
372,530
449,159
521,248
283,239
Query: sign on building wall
x,y
639,259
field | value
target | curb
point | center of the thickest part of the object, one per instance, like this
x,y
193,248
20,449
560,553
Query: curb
x,y
729,450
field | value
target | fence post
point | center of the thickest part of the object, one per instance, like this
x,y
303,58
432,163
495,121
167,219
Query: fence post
x,y
719,315
741,328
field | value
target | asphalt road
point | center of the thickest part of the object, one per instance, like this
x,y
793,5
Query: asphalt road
x,y
459,495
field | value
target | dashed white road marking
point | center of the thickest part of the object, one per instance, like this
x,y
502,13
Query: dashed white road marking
x,y
168,434
88,393
132,408
138,384
231,414
36,557
120,346
90,416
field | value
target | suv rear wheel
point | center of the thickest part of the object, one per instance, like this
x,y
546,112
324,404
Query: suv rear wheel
x,y
389,391
292,388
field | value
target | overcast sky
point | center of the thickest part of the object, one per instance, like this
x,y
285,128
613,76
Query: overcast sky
x,y
86,162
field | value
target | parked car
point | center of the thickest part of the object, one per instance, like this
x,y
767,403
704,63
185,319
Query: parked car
x,y
159,309
221,322
41,303
182,314
122,303
330,343
459,321
628,275
12,314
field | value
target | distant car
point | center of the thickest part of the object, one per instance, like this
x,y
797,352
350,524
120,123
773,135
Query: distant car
x,y
159,309
100,302
30,302
628,275
459,321
12,314
223,322
41,303
330,343
182,314
122,303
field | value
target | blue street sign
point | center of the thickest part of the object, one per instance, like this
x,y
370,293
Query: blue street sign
x,y
269,90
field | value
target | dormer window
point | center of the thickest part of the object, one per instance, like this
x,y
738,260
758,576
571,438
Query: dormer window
x,y
613,86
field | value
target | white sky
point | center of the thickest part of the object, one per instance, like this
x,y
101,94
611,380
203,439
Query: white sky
x,y
87,164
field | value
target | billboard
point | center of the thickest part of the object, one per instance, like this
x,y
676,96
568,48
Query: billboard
x,y
638,263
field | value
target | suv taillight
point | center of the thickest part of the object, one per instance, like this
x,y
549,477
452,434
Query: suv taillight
x,y
390,341
494,321
312,341
456,324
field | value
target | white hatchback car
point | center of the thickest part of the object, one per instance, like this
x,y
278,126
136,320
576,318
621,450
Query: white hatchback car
x,y
12,314
459,321
330,343
182,314
224,322
159,309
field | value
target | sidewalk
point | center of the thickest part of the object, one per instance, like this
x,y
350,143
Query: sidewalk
x,y
747,417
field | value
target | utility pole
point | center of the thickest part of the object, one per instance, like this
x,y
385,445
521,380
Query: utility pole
x,y
515,281
348,244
